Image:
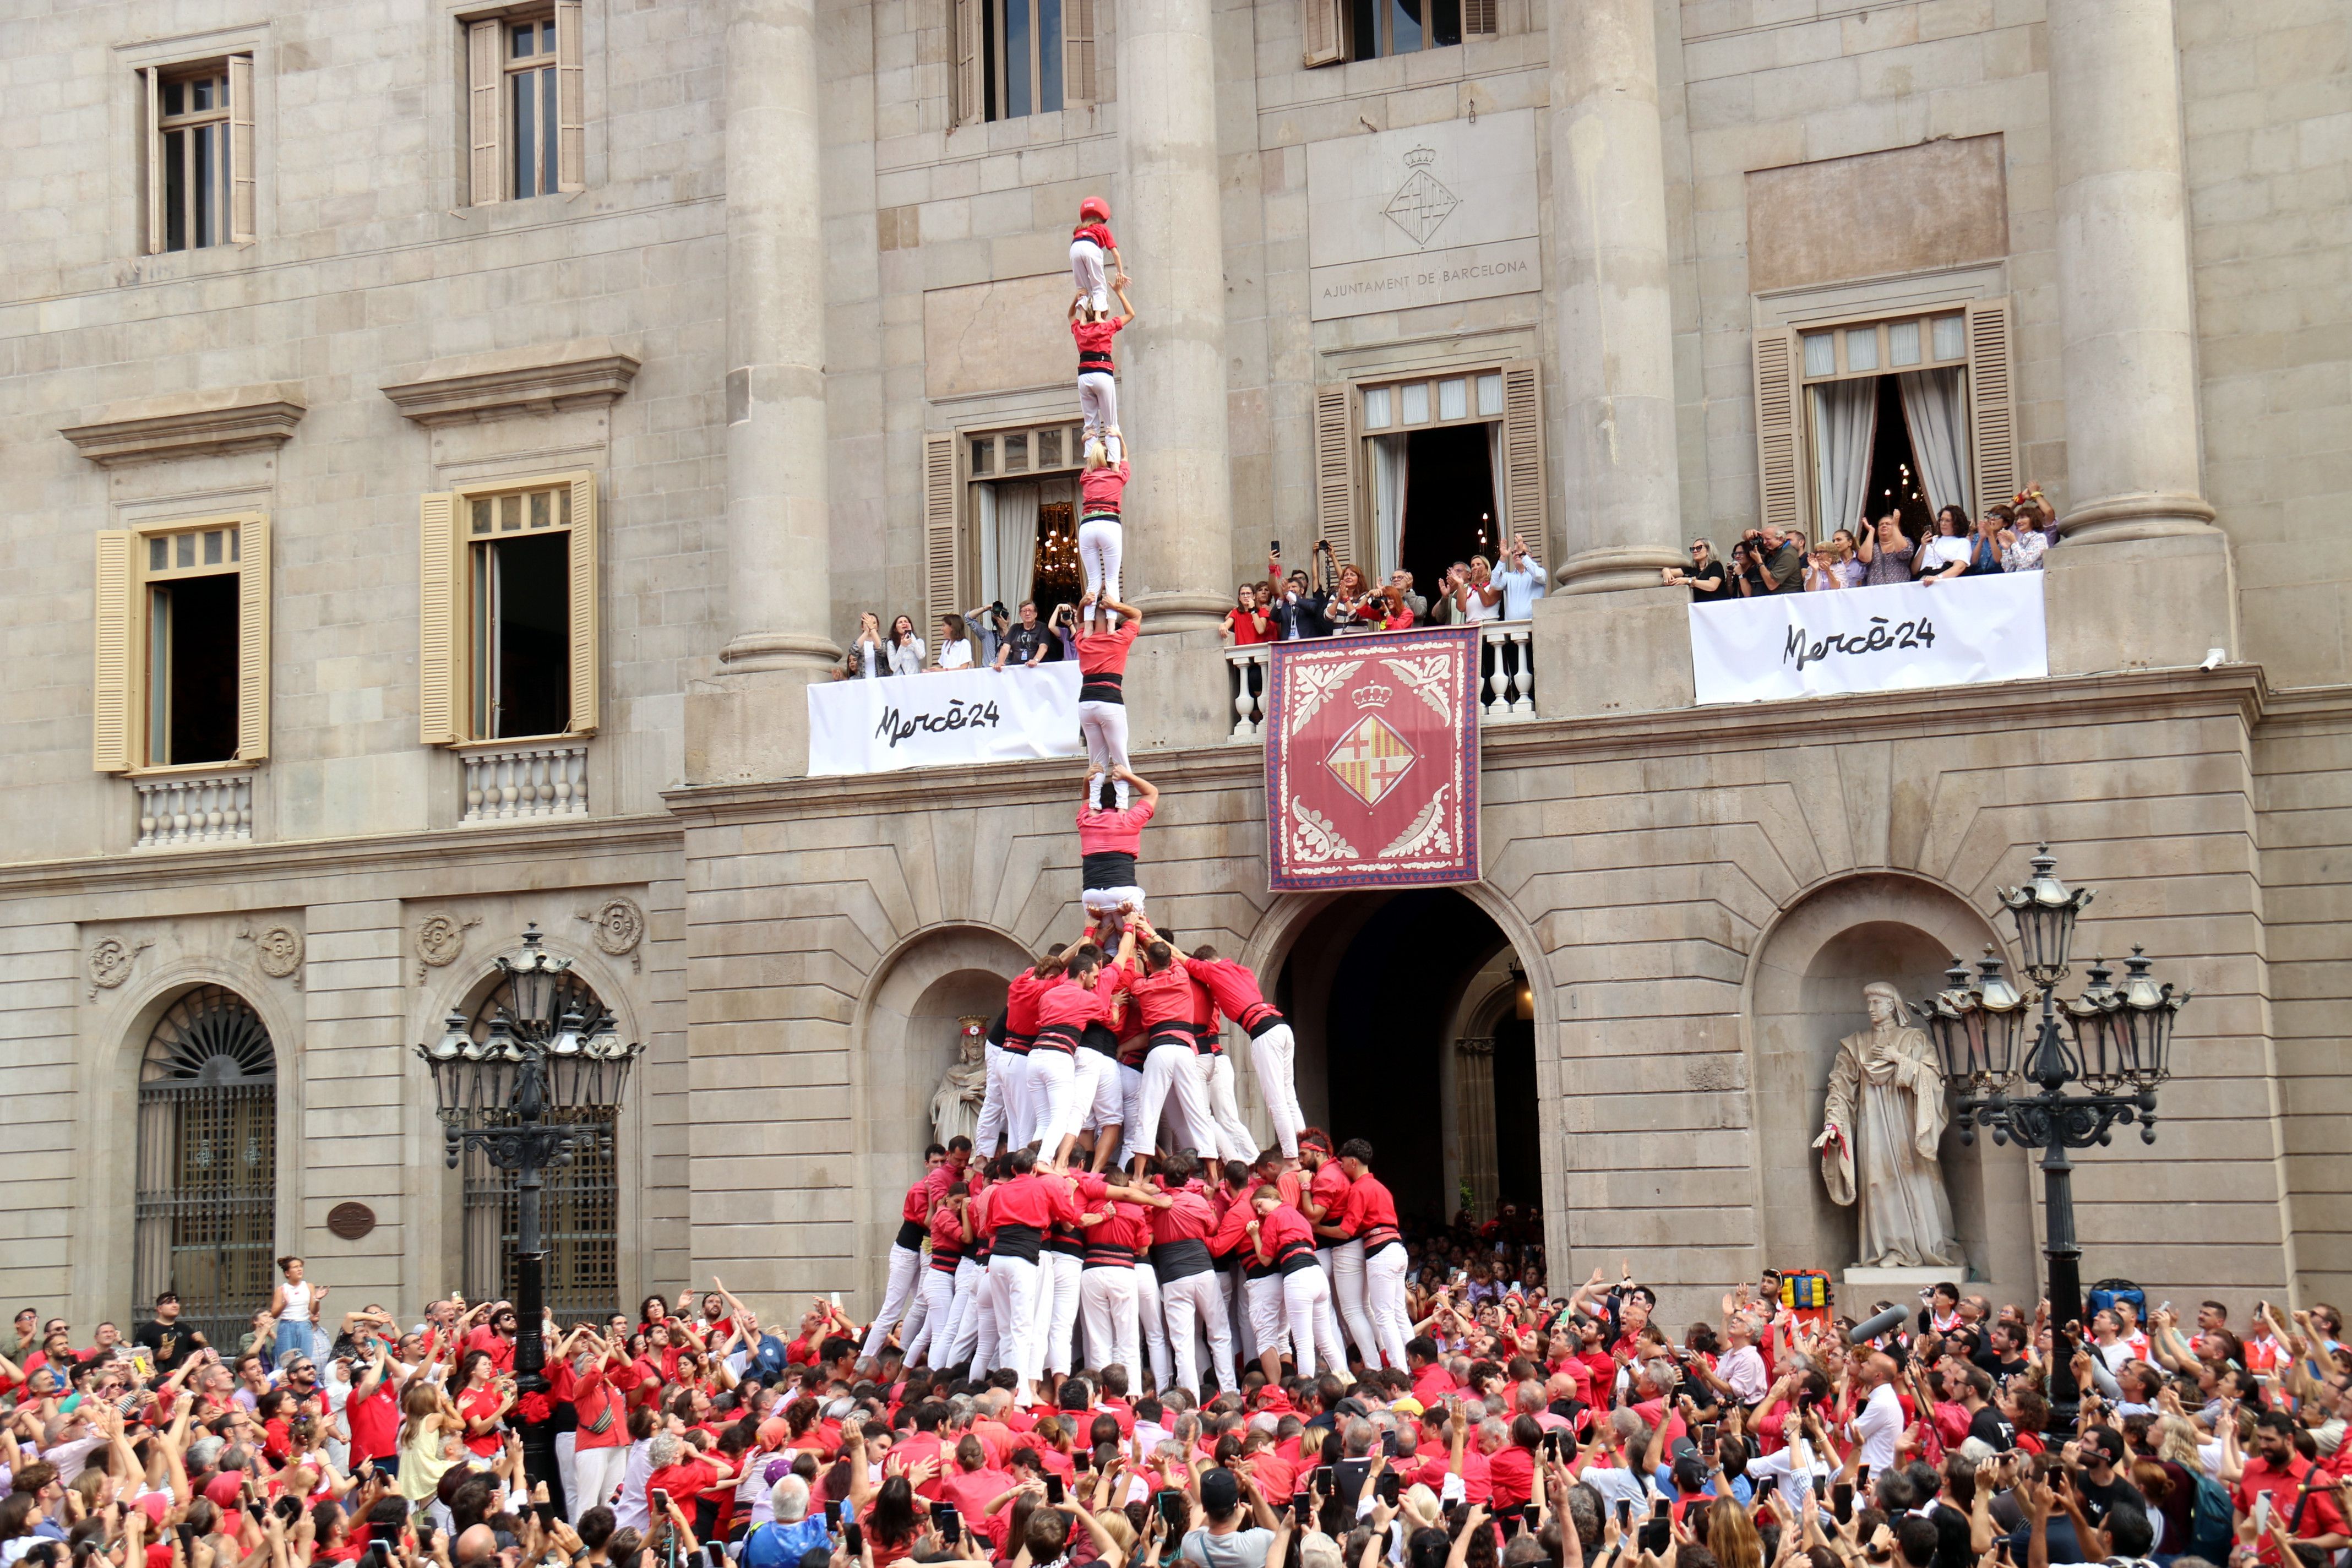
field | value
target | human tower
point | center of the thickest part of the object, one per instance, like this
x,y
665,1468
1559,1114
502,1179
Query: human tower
x,y
1111,1176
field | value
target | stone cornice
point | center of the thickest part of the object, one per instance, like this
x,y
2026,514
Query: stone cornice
x,y
189,424
571,840
2235,689
586,373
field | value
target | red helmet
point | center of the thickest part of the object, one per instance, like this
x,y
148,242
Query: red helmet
x,y
1094,209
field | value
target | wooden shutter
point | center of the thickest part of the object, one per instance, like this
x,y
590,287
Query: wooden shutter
x,y
1335,469
1078,52
969,104
1523,446
240,149
1992,415
440,620
1318,31
1780,472
115,689
1478,18
944,593
587,660
484,75
253,639
570,99
154,140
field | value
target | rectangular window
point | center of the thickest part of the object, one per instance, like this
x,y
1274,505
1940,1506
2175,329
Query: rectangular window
x,y
1016,57
199,154
1003,526
526,86
1910,413
183,645
509,610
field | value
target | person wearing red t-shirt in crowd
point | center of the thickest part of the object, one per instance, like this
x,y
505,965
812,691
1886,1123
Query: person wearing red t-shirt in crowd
x,y
488,1395
890,1515
1234,992
372,1413
1092,327
1511,1469
592,1372
973,1484
496,1337
1379,1259
1065,1012
1159,986
1286,1244
901,1294
680,1473
1020,1212
2300,1501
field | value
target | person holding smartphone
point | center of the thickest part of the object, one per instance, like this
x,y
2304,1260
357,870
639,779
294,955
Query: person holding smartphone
x,y
1234,1528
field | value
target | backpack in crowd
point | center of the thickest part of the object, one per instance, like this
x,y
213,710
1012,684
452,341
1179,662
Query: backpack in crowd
x,y
2210,1525
1806,1292
2107,1292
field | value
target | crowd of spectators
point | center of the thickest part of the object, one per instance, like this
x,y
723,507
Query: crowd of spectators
x,y
1903,545
1326,598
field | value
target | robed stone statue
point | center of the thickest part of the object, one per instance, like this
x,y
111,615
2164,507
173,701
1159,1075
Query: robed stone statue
x,y
955,1104
1879,1131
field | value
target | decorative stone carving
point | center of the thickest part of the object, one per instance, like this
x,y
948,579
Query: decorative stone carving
x,y
189,424
955,1104
618,926
440,938
1880,1127
278,947
111,959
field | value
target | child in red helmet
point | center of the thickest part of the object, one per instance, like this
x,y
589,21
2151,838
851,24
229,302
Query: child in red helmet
x,y
1089,243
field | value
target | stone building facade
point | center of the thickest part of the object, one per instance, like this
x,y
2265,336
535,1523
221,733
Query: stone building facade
x,y
743,316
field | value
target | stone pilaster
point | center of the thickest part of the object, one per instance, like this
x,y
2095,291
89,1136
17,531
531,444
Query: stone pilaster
x,y
1623,513
1179,505
2126,312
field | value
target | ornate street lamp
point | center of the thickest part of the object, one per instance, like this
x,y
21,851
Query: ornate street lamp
x,y
2116,1044
538,1090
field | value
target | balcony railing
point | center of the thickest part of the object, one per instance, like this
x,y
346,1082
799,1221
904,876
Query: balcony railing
x,y
208,808
541,778
1508,676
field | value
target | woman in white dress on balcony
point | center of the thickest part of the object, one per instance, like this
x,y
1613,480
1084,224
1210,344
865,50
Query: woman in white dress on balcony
x,y
905,649
955,644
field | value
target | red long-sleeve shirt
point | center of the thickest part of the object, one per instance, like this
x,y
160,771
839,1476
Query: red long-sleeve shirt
x,y
1098,490
1329,1192
1188,1217
1105,652
1162,998
1021,1003
1066,1005
1232,987
1029,1200
917,1206
1281,1232
1370,1208
1104,832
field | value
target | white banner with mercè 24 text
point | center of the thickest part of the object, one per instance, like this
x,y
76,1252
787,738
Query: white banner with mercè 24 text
x,y
1964,631
952,716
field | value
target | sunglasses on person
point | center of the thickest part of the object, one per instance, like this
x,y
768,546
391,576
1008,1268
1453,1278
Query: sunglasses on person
x,y
305,1370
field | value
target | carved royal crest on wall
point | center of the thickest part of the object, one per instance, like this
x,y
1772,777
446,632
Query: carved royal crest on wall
x,y
617,925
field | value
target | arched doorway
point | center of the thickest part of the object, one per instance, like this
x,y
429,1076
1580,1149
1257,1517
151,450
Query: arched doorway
x,y
206,1200
1408,1003
580,1205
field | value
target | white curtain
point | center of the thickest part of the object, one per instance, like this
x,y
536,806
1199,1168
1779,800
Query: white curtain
x,y
1845,417
1009,539
1494,476
1938,424
1391,464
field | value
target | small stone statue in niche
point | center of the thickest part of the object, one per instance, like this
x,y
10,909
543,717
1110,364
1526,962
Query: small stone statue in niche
x,y
955,1104
1879,1133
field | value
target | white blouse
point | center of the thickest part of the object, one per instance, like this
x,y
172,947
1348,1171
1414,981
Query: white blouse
x,y
955,655
907,657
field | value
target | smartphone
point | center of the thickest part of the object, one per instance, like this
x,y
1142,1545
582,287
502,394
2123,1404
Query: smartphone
x,y
1273,546
1657,1534
832,1516
1323,1480
289,1509
1389,1444
1054,1488
836,1297
1624,1513
660,1500
379,1553
546,1512
853,1538
950,1525
1842,1501
1302,1509
1171,1510
1390,1485
1707,1441
1081,1459
260,1511
1552,1444
1862,1477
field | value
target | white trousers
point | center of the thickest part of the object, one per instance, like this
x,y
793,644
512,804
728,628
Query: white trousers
x,y
1234,1140
1270,1055
991,1130
1099,406
1055,1312
567,1469
1097,1092
1154,1326
1348,1287
1107,1296
961,1336
595,1476
1384,1298
1330,1262
939,1311
1101,541
1269,1328
1307,1303
1012,1282
1109,901
1170,1070
1103,727
896,1297
1198,1300
1017,1129
1086,273
1053,1106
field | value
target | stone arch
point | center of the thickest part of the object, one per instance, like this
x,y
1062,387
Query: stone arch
x,y
906,1038
1802,994
107,1117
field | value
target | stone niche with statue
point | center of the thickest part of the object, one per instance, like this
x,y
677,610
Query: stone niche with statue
x,y
1865,1176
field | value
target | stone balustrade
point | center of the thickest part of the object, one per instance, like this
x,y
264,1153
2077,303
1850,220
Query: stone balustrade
x,y
202,808
538,778
1507,685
